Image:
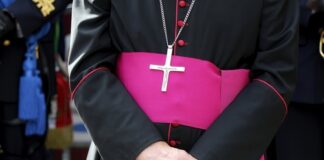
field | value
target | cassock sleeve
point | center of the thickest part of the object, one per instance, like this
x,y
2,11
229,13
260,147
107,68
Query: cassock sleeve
x,y
116,124
30,16
247,126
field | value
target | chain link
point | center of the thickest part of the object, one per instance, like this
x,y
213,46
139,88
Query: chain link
x,y
180,30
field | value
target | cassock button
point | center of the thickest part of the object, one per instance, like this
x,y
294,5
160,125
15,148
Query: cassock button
x,y
175,125
182,3
173,143
180,23
181,43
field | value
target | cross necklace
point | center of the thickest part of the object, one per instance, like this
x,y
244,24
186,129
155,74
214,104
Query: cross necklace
x,y
167,67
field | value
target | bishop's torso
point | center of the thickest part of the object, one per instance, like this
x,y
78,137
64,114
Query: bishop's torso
x,y
225,34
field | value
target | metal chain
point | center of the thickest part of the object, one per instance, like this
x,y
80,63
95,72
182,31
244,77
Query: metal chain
x,y
184,22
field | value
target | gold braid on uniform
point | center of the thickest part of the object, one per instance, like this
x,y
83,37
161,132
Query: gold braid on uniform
x,y
321,44
45,6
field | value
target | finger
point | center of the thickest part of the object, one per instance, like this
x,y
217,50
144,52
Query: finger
x,y
183,155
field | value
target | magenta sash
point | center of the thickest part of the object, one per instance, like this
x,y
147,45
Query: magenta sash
x,y
194,98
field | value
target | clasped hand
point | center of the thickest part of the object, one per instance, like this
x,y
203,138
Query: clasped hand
x,y
162,151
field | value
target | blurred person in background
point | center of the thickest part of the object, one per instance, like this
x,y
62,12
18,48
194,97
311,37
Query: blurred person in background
x,y
232,71
301,136
19,20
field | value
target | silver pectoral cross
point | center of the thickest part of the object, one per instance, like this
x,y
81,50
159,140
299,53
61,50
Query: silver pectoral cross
x,y
167,68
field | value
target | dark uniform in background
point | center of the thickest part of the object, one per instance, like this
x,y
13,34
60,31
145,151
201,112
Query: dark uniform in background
x,y
23,18
301,136
248,34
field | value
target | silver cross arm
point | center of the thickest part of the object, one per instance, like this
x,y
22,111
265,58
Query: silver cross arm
x,y
167,68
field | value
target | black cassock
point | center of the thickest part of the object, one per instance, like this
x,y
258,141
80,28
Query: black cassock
x,y
249,34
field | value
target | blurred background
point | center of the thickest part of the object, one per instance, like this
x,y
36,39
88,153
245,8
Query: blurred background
x,y
78,147
58,132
